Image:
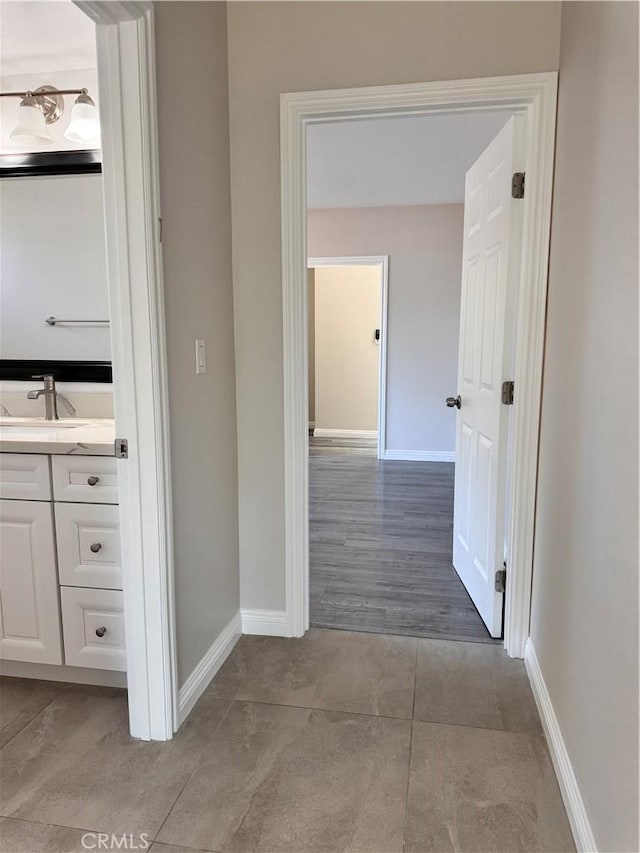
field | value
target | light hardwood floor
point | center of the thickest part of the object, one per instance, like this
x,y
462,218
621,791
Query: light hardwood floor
x,y
381,545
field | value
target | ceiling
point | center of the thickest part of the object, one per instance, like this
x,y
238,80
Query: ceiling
x,y
396,161
48,36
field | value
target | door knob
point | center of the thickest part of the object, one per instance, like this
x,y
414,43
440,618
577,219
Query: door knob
x,y
95,547
93,481
100,632
454,401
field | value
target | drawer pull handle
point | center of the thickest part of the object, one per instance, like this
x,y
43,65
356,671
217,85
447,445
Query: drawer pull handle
x,y
93,481
95,547
100,632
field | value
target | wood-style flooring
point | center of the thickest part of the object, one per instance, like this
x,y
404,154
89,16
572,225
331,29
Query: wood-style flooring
x,y
381,538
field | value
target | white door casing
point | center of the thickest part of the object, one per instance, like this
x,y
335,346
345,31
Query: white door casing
x,y
127,83
533,98
484,362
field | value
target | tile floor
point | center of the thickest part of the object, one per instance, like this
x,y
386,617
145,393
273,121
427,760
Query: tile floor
x,y
338,741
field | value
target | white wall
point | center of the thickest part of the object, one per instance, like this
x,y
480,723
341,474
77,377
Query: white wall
x,y
424,244
584,622
347,313
298,46
191,45
52,262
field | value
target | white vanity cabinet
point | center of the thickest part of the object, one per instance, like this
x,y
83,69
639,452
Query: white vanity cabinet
x,y
60,575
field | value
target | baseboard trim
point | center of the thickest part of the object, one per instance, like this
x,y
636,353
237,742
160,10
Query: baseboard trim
x,y
420,455
319,432
210,663
64,674
269,623
574,804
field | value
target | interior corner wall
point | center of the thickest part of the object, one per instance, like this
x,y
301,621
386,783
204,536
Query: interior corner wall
x,y
424,245
191,49
584,621
298,46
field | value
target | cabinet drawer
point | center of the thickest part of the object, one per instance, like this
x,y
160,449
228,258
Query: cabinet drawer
x,y
24,476
93,628
88,545
85,479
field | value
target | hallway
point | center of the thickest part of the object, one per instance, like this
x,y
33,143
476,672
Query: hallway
x,y
380,545
337,741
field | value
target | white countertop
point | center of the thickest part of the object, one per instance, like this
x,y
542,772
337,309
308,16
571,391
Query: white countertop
x,y
77,436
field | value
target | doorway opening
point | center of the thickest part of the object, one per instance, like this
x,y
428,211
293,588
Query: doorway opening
x,y
347,340
498,463
382,532
101,568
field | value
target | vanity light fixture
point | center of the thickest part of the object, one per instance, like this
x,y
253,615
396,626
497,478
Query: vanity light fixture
x,y
32,125
85,122
44,106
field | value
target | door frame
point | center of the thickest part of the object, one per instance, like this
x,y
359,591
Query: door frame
x,y
127,86
532,95
382,262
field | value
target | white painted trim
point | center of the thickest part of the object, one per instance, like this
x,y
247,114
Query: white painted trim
x,y
62,673
421,455
206,668
534,96
345,433
574,804
268,623
381,261
127,83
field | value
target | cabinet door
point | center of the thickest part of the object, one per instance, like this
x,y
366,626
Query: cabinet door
x,y
29,608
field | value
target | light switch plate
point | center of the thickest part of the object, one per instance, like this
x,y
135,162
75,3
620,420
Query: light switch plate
x,y
201,356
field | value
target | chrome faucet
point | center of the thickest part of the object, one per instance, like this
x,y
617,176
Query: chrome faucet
x,y
50,396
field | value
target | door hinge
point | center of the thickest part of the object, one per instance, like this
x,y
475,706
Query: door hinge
x,y
517,185
501,578
121,448
160,229
507,392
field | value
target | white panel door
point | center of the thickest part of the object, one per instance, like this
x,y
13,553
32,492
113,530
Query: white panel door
x,y
481,446
29,608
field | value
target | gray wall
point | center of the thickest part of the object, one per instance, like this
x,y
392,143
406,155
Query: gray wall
x,y
424,244
191,42
284,47
584,623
